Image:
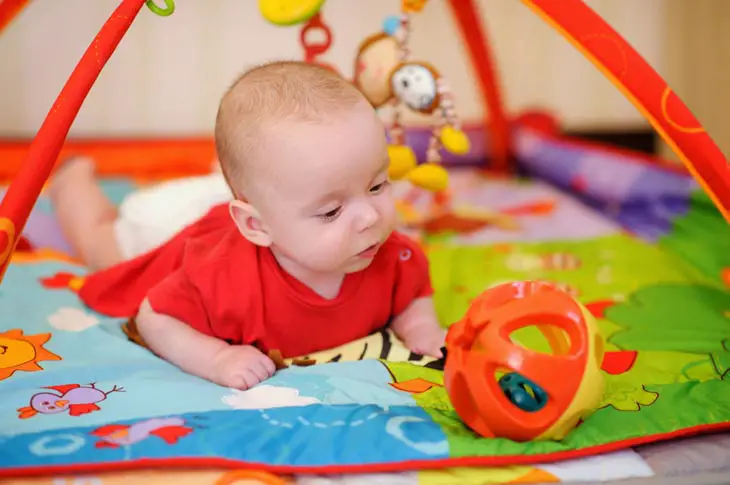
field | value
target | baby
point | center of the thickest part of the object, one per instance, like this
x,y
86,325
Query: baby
x,y
305,256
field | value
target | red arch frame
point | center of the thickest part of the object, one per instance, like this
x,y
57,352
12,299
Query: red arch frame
x,y
9,9
645,88
25,188
496,124
585,29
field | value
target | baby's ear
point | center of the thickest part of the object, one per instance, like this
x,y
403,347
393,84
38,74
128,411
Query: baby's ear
x,y
248,221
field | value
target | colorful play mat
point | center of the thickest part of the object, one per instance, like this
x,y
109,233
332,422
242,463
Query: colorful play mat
x,y
79,395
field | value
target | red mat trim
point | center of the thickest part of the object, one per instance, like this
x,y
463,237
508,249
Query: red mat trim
x,y
156,159
471,461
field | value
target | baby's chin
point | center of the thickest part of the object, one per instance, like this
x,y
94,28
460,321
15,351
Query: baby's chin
x,y
358,265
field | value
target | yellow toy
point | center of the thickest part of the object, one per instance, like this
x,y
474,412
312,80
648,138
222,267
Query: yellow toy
x,y
286,13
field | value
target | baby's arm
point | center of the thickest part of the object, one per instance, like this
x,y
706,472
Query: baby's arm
x,y
416,322
419,328
237,366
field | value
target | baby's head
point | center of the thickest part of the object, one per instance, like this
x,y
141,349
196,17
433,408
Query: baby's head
x,y
306,158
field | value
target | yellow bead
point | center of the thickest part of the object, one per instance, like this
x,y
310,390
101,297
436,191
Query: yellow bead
x,y
454,141
430,177
402,161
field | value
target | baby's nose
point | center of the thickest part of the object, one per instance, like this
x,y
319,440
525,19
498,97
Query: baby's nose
x,y
368,218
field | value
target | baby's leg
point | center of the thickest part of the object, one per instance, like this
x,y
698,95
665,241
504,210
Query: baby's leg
x,y
85,214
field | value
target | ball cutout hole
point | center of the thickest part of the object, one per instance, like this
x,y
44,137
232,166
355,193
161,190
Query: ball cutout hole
x,y
543,338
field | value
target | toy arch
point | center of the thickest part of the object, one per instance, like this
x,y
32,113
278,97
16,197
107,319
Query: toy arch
x,y
626,69
585,29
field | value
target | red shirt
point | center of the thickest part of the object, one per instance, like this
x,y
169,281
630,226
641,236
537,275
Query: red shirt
x,y
231,289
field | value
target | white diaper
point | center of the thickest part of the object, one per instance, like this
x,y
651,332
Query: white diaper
x,y
149,217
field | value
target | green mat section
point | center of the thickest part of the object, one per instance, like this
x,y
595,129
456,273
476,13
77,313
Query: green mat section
x,y
667,302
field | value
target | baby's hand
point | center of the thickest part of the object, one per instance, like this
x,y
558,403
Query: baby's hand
x,y
241,367
419,329
427,339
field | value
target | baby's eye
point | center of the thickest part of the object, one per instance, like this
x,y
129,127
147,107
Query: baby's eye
x,y
331,215
376,189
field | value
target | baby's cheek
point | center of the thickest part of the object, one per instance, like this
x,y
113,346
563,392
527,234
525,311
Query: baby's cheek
x,y
387,211
298,240
329,242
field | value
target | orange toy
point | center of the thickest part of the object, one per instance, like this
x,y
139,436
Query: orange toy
x,y
501,389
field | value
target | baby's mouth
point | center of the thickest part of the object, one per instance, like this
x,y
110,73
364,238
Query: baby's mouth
x,y
369,252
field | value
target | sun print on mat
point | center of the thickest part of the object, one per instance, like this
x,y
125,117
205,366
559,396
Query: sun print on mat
x,y
20,352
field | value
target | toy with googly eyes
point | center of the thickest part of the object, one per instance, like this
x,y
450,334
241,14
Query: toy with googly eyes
x,y
387,76
414,84
421,88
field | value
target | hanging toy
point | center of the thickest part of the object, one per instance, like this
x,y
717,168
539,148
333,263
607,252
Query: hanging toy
x,y
288,13
391,25
376,58
313,50
413,6
421,88
502,388
386,76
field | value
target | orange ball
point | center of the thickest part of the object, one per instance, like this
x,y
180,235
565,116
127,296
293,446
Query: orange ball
x,y
561,387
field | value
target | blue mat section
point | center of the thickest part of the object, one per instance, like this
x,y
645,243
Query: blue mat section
x,y
75,390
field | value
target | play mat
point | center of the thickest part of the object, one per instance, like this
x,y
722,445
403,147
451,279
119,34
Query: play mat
x,y
643,245
79,396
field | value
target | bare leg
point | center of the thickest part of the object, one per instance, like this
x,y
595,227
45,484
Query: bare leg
x,y
85,214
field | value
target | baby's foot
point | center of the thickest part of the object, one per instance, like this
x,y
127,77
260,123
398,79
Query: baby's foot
x,y
71,171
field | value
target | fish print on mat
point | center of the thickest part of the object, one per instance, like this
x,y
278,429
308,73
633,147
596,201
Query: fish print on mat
x,y
170,430
74,398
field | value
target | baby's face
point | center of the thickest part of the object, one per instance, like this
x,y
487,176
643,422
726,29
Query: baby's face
x,y
327,201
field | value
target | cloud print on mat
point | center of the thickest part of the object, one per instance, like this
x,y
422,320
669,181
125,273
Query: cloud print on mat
x,y
266,396
72,319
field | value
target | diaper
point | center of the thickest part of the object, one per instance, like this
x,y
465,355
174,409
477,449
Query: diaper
x,y
151,216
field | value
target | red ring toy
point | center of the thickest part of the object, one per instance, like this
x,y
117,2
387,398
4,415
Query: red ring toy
x,y
313,50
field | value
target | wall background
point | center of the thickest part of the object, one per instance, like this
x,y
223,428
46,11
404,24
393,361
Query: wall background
x,y
697,60
168,73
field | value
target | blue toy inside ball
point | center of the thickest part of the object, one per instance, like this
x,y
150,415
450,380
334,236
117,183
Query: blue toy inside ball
x,y
522,392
